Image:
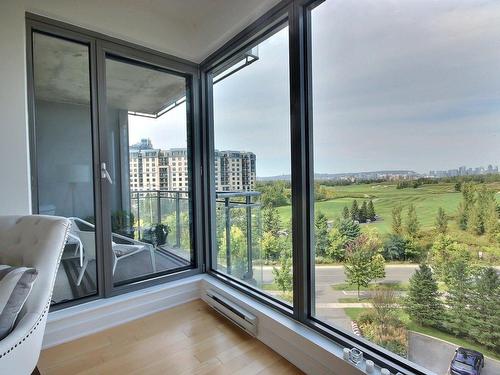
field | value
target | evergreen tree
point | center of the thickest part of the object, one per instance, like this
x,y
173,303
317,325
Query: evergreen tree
x,y
397,224
412,224
485,314
441,221
458,298
363,213
321,235
271,220
371,211
422,302
349,228
345,213
355,210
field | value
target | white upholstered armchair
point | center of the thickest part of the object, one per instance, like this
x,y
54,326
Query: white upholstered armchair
x,y
31,241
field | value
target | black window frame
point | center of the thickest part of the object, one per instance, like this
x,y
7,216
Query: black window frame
x,y
276,18
297,14
98,45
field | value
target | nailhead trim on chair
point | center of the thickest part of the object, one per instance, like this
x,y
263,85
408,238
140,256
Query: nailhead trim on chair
x,y
47,306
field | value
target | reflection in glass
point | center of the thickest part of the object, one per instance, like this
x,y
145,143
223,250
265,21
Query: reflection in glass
x,y
64,156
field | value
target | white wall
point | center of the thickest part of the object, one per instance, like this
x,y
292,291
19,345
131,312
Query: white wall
x,y
14,176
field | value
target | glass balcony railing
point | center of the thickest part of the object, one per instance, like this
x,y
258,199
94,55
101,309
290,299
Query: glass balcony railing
x,y
167,210
238,235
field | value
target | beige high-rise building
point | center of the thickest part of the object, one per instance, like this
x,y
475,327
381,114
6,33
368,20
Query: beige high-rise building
x,y
155,169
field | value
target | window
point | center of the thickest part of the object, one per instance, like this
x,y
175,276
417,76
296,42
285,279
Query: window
x,y
252,227
160,220
406,173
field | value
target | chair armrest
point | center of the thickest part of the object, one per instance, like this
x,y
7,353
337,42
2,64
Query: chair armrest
x,y
131,240
28,326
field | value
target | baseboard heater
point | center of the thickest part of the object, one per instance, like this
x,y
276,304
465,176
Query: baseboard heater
x,y
236,314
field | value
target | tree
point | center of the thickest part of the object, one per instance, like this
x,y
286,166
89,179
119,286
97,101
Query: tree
x,y
337,241
485,316
441,221
343,232
273,246
412,225
397,224
345,213
274,193
371,211
483,215
283,277
363,263
422,302
445,252
363,213
349,228
321,235
355,210
271,220
394,247
465,207
384,303
457,298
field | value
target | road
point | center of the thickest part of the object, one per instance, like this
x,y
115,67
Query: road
x,y
327,307
328,275
438,358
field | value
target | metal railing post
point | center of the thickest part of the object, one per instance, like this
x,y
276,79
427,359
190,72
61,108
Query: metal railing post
x,y
249,274
228,235
158,207
177,219
138,215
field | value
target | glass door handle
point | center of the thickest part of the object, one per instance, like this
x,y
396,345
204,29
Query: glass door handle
x,y
105,173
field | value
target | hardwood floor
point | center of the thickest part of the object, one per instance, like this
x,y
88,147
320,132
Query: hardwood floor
x,y
187,339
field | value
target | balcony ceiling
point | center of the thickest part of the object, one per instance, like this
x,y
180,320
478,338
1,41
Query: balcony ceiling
x,y
190,29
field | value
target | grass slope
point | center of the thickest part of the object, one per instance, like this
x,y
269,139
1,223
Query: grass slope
x,y
426,199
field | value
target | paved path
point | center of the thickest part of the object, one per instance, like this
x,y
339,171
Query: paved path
x,y
435,354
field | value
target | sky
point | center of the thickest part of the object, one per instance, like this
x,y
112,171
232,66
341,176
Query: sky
x,y
411,84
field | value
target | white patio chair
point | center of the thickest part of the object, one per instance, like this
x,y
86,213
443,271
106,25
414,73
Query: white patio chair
x,y
120,250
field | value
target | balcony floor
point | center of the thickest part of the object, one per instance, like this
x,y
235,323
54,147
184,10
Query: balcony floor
x,y
187,339
129,268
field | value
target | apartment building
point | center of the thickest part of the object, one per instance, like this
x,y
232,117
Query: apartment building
x,y
156,169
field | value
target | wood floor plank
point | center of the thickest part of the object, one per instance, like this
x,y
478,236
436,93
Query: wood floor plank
x,y
187,339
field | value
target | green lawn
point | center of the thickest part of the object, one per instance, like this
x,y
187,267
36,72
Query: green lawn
x,y
354,312
426,199
372,286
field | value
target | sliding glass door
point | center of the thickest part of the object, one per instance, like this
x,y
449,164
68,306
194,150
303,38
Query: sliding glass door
x,y
147,170
111,130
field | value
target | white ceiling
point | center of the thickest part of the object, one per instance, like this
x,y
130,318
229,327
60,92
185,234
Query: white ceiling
x,y
190,29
